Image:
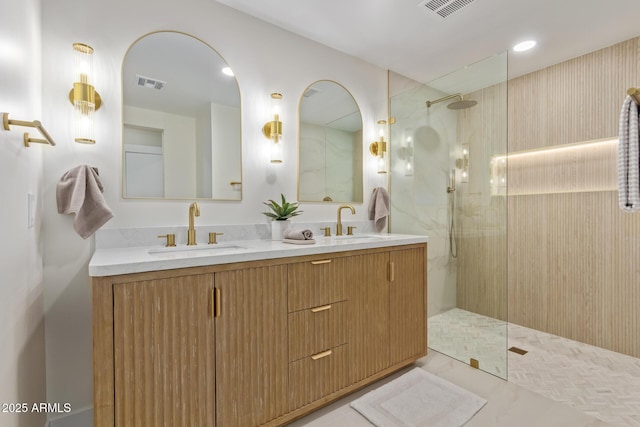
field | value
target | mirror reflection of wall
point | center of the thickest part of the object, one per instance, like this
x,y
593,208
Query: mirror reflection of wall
x,y
181,116
330,164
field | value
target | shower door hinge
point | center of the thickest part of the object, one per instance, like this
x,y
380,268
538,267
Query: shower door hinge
x,y
474,363
392,120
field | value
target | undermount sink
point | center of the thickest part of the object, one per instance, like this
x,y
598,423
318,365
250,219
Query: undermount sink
x,y
193,249
357,236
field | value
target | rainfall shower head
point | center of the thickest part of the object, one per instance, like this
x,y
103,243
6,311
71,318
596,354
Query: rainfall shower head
x,y
460,104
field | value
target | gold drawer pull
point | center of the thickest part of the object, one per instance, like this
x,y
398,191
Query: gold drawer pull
x,y
324,261
321,355
321,308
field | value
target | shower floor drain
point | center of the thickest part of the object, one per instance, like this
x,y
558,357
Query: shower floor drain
x,y
518,350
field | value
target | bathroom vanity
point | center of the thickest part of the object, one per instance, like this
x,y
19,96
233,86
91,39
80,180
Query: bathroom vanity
x,y
254,333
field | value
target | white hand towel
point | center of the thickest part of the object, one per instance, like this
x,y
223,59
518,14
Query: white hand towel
x,y
629,158
379,208
79,192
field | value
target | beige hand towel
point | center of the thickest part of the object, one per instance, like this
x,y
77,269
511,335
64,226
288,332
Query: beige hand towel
x,y
79,192
297,234
379,208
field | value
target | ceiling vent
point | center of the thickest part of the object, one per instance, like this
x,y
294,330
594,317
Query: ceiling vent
x,y
444,8
150,83
310,92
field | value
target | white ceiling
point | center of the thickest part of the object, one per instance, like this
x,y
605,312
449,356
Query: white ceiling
x,y
403,36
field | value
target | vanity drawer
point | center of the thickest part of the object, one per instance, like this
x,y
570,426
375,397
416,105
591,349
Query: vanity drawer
x,y
317,282
317,376
315,329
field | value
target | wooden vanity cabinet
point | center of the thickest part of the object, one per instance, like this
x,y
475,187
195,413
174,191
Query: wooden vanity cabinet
x,y
163,352
259,343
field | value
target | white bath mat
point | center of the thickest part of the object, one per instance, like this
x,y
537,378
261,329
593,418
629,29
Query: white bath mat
x,y
419,399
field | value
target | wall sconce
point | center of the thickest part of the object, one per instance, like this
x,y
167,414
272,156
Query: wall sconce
x,y
498,175
83,96
273,128
406,152
378,148
463,164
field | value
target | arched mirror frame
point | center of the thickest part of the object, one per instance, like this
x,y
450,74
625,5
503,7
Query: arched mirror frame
x,y
237,185
358,192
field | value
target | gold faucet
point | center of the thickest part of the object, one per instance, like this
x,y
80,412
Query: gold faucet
x,y
339,226
194,210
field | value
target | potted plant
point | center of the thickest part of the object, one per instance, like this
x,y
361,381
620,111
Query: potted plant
x,y
280,214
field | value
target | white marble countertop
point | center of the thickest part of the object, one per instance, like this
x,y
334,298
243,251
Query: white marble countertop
x,y
114,261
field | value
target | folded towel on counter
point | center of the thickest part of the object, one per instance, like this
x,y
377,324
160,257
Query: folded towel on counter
x,y
629,158
79,192
379,208
297,234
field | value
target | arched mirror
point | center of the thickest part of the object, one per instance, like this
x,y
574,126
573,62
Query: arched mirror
x,y
330,143
181,121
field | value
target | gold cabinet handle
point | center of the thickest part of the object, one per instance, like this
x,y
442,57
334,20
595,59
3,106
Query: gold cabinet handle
x,y
324,261
321,308
321,355
392,271
212,303
218,303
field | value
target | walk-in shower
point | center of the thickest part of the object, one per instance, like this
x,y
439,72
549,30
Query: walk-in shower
x,y
450,198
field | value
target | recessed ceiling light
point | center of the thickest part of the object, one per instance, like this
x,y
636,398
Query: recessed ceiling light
x,y
522,46
227,71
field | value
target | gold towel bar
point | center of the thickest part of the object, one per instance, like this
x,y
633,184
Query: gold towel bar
x,y
634,93
6,123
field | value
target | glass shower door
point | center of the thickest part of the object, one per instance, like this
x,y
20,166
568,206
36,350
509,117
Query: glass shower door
x,y
447,182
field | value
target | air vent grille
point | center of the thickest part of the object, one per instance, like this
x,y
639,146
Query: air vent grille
x,y
150,83
444,8
310,92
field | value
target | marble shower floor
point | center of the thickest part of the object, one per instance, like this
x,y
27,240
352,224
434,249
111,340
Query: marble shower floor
x,y
595,381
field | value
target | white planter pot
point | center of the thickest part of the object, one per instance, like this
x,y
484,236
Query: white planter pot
x,y
277,229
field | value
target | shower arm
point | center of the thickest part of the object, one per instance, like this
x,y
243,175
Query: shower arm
x,y
455,95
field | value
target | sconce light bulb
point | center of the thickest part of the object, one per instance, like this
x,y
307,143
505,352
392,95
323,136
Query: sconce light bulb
x,y
491,181
464,174
465,152
503,180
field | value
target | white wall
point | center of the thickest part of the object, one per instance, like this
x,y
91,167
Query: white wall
x,y
249,46
225,157
178,147
22,340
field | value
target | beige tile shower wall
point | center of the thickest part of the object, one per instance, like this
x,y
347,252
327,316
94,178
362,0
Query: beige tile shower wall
x,y
573,256
480,216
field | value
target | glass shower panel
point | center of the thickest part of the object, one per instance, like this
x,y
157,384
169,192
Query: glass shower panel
x,y
448,140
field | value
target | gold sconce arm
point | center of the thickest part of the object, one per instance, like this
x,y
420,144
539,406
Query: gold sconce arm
x,y
6,123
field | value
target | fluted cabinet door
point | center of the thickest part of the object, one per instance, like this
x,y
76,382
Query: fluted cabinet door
x,y
163,352
408,304
251,346
368,292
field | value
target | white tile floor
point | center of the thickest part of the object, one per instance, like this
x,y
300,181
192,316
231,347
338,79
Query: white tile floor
x,y
593,380
508,405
